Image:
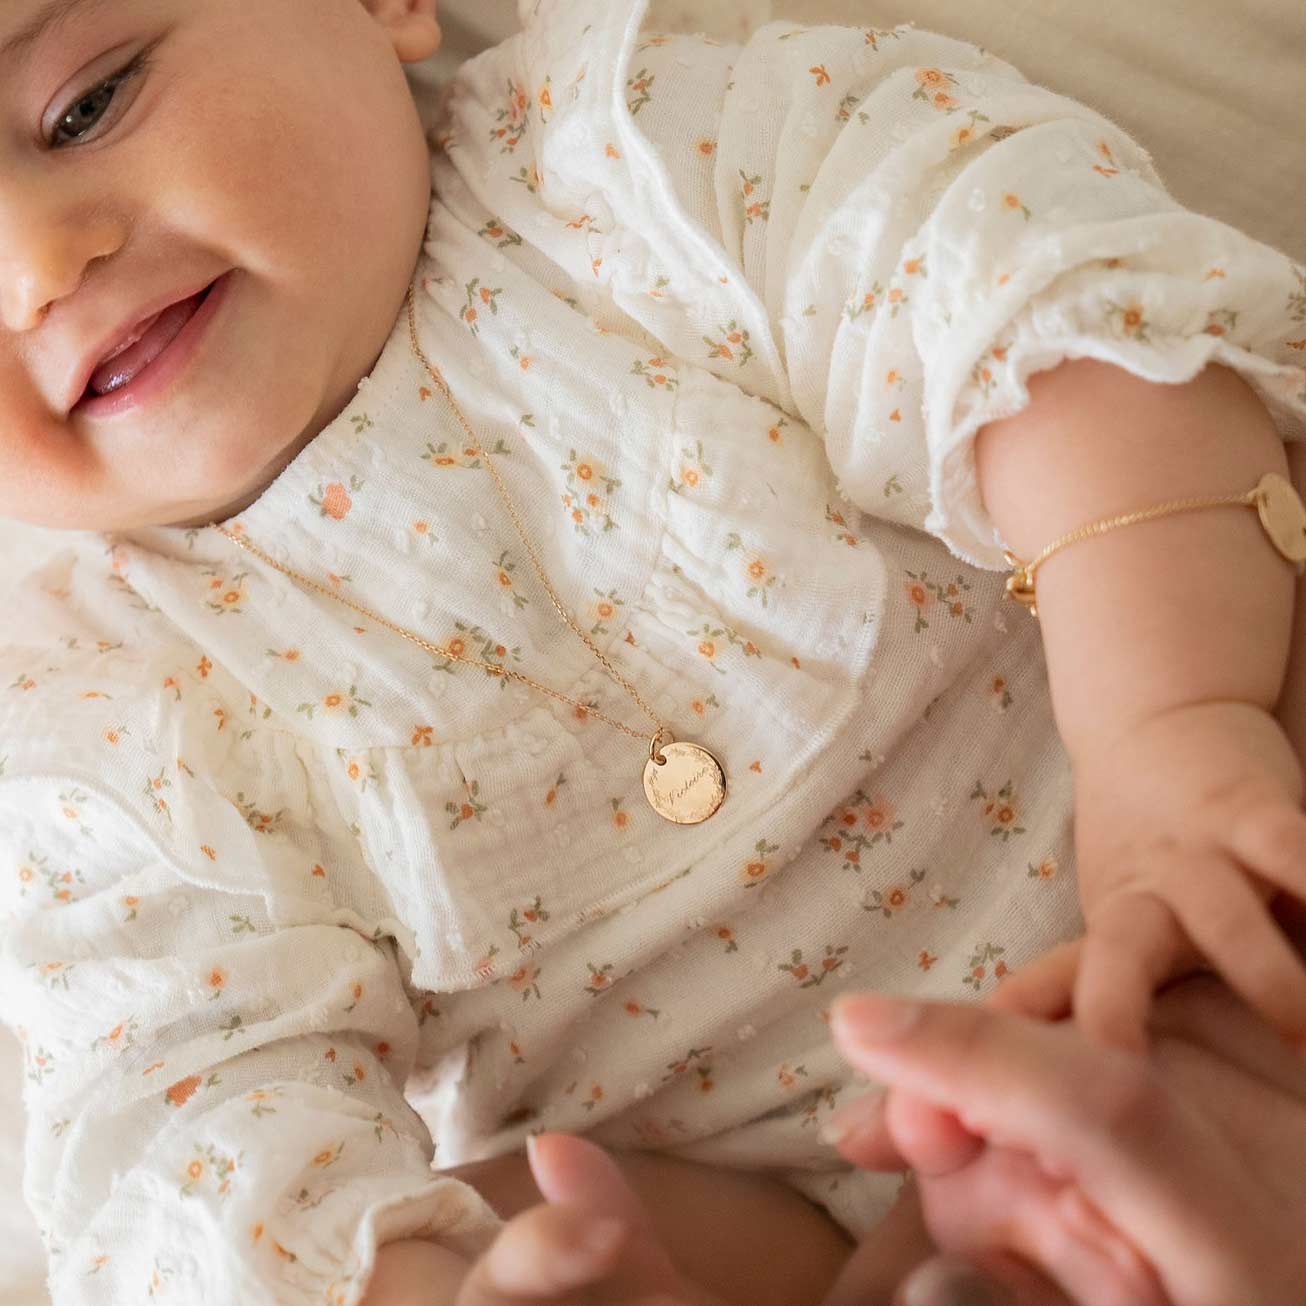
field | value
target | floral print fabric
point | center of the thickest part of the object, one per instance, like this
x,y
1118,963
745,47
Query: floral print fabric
x,y
296,910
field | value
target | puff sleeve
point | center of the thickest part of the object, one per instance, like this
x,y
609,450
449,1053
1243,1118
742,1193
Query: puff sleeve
x,y
213,1062
917,229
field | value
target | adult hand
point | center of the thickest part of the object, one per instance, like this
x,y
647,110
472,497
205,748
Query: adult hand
x,y
1032,1142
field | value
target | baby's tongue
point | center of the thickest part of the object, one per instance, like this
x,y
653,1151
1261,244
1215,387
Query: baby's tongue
x,y
165,328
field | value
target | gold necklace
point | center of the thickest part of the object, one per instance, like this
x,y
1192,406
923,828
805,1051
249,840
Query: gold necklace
x,y
683,781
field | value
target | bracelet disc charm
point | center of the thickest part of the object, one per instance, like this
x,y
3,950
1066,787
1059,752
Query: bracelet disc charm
x,y
1282,515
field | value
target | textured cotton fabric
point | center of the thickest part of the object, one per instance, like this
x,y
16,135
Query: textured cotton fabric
x,y
295,910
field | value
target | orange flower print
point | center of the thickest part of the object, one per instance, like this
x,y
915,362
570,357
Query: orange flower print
x,y
926,959
544,98
524,980
603,608
727,936
453,454
932,87
921,592
864,302
1220,321
258,821
1010,200
600,978
755,571
484,968
656,372
637,1009
844,112
642,85
500,233
1045,870
1128,319
999,694
1105,151
360,770
336,703
585,506
755,209
512,119
821,75
552,796
706,147
503,570
520,923
225,595
180,1093
896,898
878,818
967,134
620,819
594,1098
786,1077
978,969
810,975
1001,811
490,651
422,736
699,706
478,298
467,809
333,500
752,873
693,469
773,433
733,346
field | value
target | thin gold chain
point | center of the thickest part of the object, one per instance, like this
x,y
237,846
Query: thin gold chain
x,y
493,668
1248,499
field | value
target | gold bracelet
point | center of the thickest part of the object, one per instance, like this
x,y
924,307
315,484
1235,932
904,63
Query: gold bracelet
x,y
1278,504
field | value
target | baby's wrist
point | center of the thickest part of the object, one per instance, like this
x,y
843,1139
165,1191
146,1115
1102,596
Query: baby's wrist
x,y
415,1272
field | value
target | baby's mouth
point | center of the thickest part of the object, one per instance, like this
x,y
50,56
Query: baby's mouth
x,y
122,368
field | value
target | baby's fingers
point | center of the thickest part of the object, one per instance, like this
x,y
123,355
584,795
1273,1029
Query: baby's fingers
x,y
1225,917
1270,839
546,1254
1131,948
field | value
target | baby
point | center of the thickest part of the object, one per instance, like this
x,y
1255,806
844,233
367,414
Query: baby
x,y
330,848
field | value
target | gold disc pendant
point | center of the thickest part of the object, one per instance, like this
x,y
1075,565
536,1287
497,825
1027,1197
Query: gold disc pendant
x,y
687,786
1282,516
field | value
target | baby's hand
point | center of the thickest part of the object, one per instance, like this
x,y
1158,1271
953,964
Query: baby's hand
x,y
591,1243
1185,827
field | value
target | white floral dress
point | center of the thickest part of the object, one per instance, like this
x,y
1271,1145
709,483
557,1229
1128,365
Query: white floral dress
x,y
294,909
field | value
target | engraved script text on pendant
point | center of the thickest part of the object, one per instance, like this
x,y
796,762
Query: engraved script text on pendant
x,y
689,787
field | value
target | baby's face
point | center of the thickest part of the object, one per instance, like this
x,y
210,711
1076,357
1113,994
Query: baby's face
x,y
271,142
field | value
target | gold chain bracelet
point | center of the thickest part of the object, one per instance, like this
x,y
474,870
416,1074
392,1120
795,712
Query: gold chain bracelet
x,y
1277,503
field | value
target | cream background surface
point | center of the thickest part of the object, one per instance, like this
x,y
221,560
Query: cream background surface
x,y
1213,91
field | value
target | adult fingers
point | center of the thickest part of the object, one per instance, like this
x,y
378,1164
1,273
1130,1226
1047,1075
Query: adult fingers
x,y
546,1254
1132,946
1081,1110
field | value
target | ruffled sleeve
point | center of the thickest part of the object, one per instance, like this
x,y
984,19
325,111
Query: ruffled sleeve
x,y
886,231
213,1054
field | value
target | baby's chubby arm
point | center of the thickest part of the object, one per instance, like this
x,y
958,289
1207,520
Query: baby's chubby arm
x,y
1166,645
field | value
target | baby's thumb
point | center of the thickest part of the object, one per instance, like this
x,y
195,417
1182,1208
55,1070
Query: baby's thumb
x,y
573,1172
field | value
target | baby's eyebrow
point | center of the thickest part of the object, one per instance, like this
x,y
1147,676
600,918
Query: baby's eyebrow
x,y
47,21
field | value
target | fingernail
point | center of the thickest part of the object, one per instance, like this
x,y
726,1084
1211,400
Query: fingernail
x,y
873,1017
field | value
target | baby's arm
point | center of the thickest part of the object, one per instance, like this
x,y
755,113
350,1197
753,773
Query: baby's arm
x,y
1291,711
1166,645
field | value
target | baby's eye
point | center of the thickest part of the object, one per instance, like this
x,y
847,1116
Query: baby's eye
x,y
91,106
